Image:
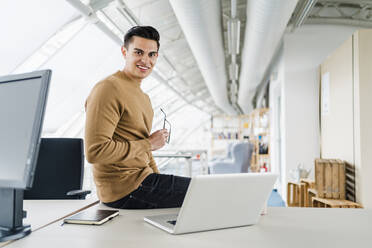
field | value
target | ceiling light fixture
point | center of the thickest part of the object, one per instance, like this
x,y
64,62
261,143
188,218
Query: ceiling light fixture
x,y
233,35
302,13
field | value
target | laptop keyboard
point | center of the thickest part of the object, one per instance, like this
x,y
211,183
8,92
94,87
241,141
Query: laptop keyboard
x,y
166,218
173,222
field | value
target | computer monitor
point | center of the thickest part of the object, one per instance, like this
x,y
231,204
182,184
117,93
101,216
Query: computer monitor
x,y
22,106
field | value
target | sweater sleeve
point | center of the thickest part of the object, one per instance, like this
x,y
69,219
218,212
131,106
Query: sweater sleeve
x,y
103,112
153,164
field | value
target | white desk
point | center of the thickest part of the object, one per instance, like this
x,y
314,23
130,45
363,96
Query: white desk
x,y
281,227
44,212
41,213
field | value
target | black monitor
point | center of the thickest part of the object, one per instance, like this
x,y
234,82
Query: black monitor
x,y
22,106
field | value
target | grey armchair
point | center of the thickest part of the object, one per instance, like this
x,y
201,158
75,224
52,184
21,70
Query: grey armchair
x,y
241,154
228,154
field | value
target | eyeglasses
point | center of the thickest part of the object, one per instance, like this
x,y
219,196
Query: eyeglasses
x,y
164,125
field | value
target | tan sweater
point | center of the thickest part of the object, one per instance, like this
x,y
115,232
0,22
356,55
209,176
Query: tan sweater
x,y
118,124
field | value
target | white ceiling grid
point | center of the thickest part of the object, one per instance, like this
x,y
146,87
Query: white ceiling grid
x,y
73,78
79,56
52,46
53,34
175,57
346,12
86,59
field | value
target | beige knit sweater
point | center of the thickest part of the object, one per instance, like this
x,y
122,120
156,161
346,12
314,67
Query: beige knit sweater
x,y
118,124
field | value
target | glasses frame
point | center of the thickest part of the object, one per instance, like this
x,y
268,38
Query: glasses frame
x,y
170,126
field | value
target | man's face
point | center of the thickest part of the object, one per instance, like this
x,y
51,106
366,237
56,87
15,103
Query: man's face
x,y
140,57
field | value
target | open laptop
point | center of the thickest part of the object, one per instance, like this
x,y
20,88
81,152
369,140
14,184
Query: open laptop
x,y
219,201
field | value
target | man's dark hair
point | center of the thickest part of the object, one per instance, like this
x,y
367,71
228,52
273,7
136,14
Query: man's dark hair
x,y
146,32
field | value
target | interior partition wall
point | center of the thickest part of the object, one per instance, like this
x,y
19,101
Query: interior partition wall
x,y
346,115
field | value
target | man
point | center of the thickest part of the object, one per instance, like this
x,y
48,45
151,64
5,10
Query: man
x,y
117,133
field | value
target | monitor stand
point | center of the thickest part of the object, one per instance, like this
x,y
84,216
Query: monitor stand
x,y
11,215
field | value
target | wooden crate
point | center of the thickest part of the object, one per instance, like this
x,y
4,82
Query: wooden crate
x,y
333,203
311,193
307,184
292,194
330,178
296,194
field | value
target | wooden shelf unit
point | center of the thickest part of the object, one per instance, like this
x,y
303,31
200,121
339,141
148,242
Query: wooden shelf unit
x,y
254,127
260,137
225,129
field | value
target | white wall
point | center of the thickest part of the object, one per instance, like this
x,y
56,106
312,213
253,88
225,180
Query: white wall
x,y
337,124
277,134
299,94
298,91
345,129
363,115
301,119
297,82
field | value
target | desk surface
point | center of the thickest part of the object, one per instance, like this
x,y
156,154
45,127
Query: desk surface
x,y
41,213
169,155
281,227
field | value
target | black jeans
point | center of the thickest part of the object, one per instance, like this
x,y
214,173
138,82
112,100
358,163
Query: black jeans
x,y
156,191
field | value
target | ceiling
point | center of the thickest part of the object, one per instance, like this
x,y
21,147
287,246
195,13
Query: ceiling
x,y
190,51
176,66
205,61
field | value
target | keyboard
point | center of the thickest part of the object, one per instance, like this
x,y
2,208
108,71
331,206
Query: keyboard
x,y
167,218
173,222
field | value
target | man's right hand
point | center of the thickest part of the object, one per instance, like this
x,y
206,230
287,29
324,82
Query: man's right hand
x,y
158,138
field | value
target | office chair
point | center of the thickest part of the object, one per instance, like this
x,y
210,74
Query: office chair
x,y
59,170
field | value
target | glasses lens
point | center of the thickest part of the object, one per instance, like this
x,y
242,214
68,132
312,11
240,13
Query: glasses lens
x,y
168,127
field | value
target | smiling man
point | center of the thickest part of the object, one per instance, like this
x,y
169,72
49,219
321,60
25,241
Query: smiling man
x,y
117,133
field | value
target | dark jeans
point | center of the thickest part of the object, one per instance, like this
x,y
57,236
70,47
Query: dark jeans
x,y
156,191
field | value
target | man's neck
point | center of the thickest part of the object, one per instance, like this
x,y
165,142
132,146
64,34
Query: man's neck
x,y
131,77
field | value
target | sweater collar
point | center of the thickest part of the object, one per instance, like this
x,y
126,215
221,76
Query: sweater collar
x,y
124,76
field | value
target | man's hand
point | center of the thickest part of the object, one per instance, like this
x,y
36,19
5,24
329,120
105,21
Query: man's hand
x,y
158,138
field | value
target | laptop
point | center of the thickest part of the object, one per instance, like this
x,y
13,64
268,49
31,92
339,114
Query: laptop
x,y
219,201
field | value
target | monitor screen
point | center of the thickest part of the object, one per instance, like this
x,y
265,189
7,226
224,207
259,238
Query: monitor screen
x,y
22,106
